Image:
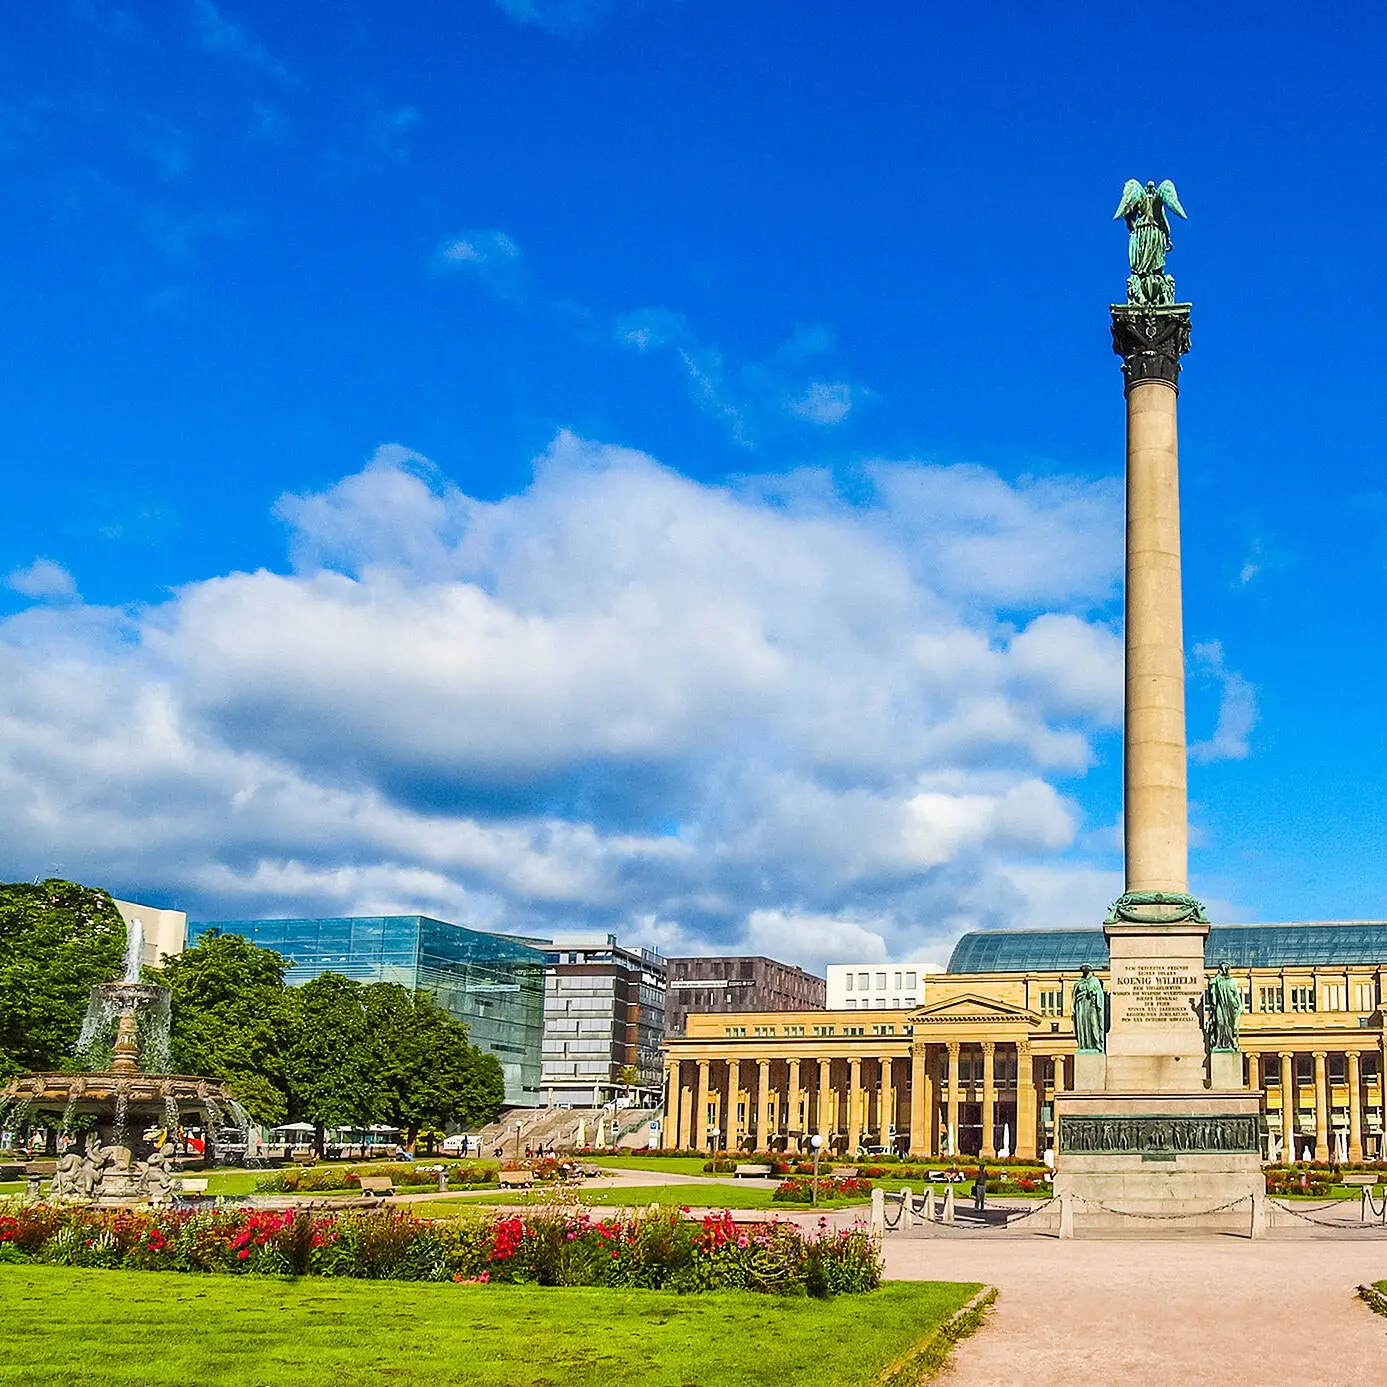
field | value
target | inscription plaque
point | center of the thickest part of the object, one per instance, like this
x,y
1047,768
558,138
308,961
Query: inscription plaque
x,y
1156,993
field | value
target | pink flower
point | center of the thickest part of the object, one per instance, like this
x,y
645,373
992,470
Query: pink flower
x,y
741,1240
484,1277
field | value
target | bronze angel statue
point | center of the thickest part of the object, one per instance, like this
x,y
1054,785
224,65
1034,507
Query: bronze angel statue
x,y
1143,209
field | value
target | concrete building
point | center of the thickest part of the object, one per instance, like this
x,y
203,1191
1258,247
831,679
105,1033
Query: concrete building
x,y
604,1013
492,983
978,1061
737,983
165,931
875,986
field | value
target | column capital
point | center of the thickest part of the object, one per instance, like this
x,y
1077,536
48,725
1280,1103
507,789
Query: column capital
x,y
953,1047
988,1046
764,1063
703,1064
1320,1055
1023,1048
1151,339
1285,1054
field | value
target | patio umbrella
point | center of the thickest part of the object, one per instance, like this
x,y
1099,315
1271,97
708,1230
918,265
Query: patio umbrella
x,y
296,1127
599,1136
1006,1141
952,1150
580,1137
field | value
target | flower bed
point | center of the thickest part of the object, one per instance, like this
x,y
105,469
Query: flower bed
x,y
652,1251
798,1190
316,1178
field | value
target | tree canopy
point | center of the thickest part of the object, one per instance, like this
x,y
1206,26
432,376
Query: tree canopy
x,y
57,941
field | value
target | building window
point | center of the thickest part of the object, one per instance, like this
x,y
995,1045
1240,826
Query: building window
x,y
823,1030
1367,1066
850,1004
1270,999
733,1032
864,982
763,1030
854,1030
1052,1001
793,1030
1334,996
881,981
910,1001
881,1003
883,1030
1303,998
1338,1069
897,982
910,980
1363,996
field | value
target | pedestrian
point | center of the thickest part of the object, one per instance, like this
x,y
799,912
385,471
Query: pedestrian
x,y
980,1188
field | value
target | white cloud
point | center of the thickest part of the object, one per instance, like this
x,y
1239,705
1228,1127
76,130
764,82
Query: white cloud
x,y
222,37
822,402
1237,708
44,580
619,699
491,255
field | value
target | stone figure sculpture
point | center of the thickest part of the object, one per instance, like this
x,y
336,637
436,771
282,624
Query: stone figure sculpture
x,y
1223,1004
1089,1009
66,1177
1144,211
158,1175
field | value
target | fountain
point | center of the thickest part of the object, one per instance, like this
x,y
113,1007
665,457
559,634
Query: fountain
x,y
126,1095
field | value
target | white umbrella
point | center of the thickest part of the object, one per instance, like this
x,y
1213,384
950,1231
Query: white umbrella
x,y
600,1135
1006,1141
296,1127
1309,1154
580,1137
952,1150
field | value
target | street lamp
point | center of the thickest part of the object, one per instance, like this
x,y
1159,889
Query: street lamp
x,y
519,1127
816,1142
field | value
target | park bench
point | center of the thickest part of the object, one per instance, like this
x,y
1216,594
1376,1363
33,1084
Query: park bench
x,y
1358,1180
381,1185
192,1185
753,1168
515,1178
305,1155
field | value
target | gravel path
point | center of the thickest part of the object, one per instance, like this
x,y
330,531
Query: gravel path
x,y
1150,1312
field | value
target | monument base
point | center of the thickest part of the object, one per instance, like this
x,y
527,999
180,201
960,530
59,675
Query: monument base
x,y
1182,1156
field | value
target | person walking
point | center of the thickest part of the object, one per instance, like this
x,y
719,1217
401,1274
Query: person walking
x,y
980,1188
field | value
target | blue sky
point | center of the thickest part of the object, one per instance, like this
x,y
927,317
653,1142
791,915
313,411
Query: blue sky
x,y
657,465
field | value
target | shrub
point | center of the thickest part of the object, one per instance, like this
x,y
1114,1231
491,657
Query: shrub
x,y
318,1178
548,1248
801,1191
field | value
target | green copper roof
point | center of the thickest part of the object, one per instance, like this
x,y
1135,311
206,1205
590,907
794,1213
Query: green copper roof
x,y
1240,946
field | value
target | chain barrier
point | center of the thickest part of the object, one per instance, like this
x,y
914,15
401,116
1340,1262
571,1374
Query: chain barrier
x,y
1325,1222
919,1206
1378,1211
1164,1218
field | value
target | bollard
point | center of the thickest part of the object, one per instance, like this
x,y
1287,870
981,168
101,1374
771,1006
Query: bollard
x,y
1259,1215
931,1214
907,1209
443,1182
948,1215
1066,1215
877,1225
31,1186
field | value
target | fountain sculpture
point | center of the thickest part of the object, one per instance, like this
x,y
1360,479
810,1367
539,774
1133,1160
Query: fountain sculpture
x,y
122,1113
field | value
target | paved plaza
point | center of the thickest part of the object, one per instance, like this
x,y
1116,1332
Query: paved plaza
x,y
1150,1312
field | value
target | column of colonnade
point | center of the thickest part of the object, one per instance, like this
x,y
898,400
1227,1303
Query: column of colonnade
x,y
1277,1073
717,1101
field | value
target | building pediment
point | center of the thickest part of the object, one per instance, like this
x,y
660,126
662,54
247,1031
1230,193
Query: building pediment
x,y
970,1008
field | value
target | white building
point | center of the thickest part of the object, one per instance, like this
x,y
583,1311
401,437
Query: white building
x,y
876,986
165,931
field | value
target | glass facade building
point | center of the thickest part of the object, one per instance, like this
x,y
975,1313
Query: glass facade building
x,y
491,983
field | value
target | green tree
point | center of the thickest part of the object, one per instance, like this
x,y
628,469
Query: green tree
x,y
232,1020
57,940
436,1076
334,1066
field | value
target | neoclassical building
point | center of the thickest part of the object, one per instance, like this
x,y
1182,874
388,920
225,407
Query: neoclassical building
x,y
990,1042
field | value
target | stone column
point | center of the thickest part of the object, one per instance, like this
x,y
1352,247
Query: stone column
x,y
1150,342
1025,1100
919,1101
824,1095
1059,1074
953,1096
792,1122
670,1136
734,1084
1288,1109
763,1105
886,1104
686,1126
700,1127
1355,1109
988,1150
854,1122
1321,1106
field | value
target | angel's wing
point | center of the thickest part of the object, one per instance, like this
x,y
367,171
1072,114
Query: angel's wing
x,y
1171,198
1131,191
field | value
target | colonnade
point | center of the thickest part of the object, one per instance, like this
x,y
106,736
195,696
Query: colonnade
x,y
913,1100
1289,1094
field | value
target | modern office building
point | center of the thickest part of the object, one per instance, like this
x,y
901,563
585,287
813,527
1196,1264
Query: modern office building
x,y
492,983
975,1064
875,986
604,1017
737,983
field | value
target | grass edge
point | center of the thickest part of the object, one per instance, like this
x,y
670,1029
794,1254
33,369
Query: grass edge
x,y
926,1358
1374,1299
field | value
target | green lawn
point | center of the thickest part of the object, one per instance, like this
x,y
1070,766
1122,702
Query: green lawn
x,y
660,1165
151,1329
637,1196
